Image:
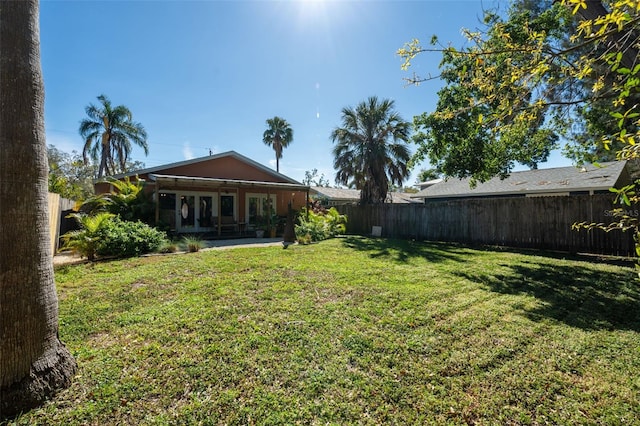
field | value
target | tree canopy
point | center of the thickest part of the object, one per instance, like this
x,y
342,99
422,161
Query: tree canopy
x,y
545,71
371,151
69,175
567,68
278,135
109,133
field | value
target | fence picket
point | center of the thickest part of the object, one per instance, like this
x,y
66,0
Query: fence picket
x,y
536,222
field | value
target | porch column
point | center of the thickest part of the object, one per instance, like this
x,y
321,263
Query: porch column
x,y
219,212
269,206
157,203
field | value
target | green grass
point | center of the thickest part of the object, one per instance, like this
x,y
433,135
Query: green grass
x,y
349,331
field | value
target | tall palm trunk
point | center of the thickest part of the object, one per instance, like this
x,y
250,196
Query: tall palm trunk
x,y
34,364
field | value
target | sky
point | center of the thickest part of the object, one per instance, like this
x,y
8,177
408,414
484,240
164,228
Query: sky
x,y
204,76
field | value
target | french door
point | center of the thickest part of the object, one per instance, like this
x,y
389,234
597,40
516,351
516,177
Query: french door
x,y
193,212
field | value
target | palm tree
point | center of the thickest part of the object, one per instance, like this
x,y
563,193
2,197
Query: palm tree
x,y
34,364
278,136
371,151
108,134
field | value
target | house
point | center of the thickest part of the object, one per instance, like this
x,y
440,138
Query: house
x,y
340,196
427,183
560,181
220,193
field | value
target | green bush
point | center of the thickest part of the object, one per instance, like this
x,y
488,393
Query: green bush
x,y
318,225
167,247
192,243
125,239
87,240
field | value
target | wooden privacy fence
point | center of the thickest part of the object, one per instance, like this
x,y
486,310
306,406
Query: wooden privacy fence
x,y
536,222
59,208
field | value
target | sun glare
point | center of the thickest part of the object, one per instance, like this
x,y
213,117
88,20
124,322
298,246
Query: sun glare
x,y
320,11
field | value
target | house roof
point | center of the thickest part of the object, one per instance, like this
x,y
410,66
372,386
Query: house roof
x,y
353,195
216,183
428,183
533,182
337,194
232,154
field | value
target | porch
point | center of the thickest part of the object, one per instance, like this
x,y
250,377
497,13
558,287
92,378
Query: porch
x,y
223,208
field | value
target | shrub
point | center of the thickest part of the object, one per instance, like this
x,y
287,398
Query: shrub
x,y
127,200
192,244
87,240
125,239
168,247
318,225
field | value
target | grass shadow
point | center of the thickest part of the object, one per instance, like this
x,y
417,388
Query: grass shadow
x,y
587,298
404,250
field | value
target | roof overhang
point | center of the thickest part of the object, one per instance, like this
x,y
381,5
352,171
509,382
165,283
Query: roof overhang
x,y
188,181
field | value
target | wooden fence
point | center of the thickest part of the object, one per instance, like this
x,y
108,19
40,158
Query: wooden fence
x,y
537,222
59,208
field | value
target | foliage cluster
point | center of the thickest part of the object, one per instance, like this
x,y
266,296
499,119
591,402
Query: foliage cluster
x,y
371,151
123,238
110,224
192,243
546,70
278,136
109,132
311,178
69,176
127,200
318,223
105,234
86,240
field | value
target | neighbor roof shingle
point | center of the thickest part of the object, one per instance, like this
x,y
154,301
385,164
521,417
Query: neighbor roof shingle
x,y
540,181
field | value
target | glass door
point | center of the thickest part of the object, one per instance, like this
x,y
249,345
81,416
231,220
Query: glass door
x,y
227,205
187,212
206,213
194,212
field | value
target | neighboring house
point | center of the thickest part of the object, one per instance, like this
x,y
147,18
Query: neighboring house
x,y
221,192
338,196
427,183
561,181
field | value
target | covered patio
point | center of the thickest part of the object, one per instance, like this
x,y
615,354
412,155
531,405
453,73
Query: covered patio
x,y
219,207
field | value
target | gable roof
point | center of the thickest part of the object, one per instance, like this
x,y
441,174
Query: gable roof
x,y
337,194
554,181
231,154
353,195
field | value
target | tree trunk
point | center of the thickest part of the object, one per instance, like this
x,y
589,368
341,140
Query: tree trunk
x,y
34,364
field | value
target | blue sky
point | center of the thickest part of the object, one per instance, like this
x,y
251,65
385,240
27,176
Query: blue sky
x,y
205,75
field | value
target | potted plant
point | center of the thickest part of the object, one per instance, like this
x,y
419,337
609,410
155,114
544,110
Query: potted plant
x,y
261,225
272,226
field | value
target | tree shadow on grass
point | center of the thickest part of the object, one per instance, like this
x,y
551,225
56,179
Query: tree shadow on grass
x,y
405,250
586,298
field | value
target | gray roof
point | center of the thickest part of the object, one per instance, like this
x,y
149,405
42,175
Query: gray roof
x,y
353,195
533,182
337,194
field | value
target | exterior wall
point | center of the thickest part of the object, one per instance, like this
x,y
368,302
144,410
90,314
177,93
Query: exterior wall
x,y
171,218
101,188
297,198
198,194
222,168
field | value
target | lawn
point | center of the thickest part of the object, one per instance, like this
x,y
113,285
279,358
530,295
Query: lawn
x,y
349,331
